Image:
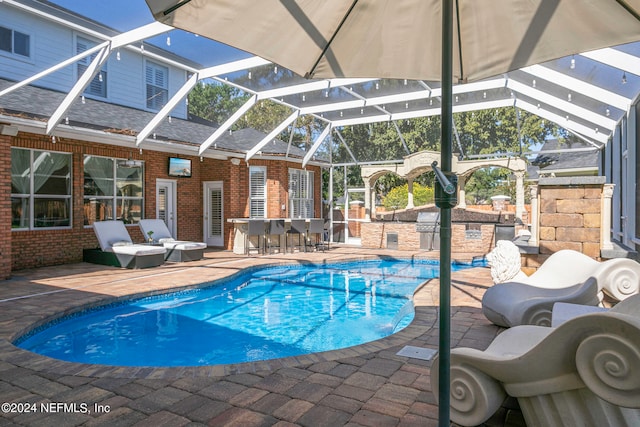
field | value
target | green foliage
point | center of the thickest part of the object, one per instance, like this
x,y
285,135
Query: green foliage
x,y
215,102
398,197
493,131
488,182
502,130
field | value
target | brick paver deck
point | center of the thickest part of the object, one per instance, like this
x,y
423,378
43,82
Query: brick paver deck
x,y
366,385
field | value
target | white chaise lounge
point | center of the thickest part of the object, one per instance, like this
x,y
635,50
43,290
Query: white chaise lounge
x,y
619,278
177,250
512,304
566,276
117,248
585,372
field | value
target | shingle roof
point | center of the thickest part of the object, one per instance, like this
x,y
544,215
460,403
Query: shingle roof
x,y
579,160
39,103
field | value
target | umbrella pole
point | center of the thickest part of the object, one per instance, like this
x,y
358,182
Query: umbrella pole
x,y
444,368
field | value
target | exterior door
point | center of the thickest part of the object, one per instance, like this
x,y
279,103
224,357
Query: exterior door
x,y
166,204
213,213
354,215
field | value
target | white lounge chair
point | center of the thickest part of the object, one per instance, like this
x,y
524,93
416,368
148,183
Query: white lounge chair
x,y
619,277
585,372
177,250
117,248
512,304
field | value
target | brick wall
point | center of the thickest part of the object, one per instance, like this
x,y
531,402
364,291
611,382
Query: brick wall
x,y
5,206
374,235
35,248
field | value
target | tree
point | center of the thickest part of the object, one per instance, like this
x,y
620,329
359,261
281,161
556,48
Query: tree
x,y
215,102
398,197
488,182
501,131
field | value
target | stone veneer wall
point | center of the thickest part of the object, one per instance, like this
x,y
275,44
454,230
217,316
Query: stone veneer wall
x,y
570,217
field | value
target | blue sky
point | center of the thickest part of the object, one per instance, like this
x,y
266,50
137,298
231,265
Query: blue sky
x,y
125,15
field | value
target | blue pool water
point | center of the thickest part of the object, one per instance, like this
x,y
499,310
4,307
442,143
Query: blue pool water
x,y
263,314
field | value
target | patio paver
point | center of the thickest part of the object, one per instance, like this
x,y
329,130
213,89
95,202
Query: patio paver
x,y
364,385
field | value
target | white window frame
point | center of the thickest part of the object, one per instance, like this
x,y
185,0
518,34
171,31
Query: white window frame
x,y
13,53
151,97
301,193
257,192
115,198
31,196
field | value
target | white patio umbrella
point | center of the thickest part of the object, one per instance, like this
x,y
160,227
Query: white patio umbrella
x,y
447,40
402,38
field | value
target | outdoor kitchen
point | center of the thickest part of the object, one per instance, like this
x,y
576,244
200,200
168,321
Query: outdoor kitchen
x,y
473,231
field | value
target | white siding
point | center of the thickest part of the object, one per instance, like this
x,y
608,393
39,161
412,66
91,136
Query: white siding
x,y
53,43
50,44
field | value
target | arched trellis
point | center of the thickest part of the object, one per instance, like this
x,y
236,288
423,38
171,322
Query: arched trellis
x,y
419,163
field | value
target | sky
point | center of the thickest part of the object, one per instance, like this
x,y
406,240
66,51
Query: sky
x,y
125,15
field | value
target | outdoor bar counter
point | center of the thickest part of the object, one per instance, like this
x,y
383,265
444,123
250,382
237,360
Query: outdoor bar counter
x,y
241,227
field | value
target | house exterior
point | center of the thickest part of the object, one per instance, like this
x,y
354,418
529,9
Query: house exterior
x,y
583,160
55,184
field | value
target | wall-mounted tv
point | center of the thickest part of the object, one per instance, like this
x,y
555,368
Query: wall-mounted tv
x,y
179,167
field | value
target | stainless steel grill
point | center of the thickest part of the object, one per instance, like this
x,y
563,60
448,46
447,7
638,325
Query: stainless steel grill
x,y
428,225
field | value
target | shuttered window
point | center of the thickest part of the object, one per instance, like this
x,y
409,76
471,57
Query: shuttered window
x,y
98,85
156,77
217,227
301,194
257,192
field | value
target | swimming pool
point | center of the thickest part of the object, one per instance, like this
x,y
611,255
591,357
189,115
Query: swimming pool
x,y
261,314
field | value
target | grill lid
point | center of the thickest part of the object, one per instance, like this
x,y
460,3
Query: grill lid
x,y
428,217
428,222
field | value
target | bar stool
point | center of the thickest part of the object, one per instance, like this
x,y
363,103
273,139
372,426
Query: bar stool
x,y
276,228
255,228
316,227
299,228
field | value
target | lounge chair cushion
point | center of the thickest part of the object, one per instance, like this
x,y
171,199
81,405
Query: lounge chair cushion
x,y
114,237
161,234
138,250
181,244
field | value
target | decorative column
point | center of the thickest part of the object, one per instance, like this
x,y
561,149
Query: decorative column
x,y
367,199
410,193
462,181
535,216
605,217
519,194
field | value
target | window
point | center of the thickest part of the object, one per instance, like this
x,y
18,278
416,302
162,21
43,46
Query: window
x,y
113,189
257,192
301,193
40,189
156,77
98,86
15,42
